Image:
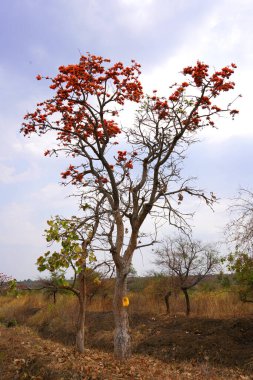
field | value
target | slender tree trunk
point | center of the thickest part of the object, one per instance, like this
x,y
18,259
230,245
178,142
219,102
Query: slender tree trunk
x,y
187,301
54,295
122,340
81,315
167,301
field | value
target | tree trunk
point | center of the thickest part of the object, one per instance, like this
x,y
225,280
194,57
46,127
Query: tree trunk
x,y
81,315
167,301
122,340
187,300
54,295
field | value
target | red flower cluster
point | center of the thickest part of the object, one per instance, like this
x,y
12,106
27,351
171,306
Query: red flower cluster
x,y
73,86
100,180
84,93
161,105
176,95
194,122
198,72
129,164
205,101
109,128
76,176
121,155
219,80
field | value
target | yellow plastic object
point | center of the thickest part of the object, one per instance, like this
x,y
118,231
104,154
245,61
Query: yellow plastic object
x,y
125,301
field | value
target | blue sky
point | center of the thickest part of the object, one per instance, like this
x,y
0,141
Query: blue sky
x,y
37,36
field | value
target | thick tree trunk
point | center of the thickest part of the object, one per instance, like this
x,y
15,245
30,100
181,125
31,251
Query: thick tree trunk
x,y
122,340
187,301
81,315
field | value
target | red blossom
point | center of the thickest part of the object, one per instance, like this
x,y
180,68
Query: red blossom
x,y
129,164
90,77
121,155
100,180
198,72
86,93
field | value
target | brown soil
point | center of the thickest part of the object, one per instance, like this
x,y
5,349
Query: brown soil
x,y
164,348
225,342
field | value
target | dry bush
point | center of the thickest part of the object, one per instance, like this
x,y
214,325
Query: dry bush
x,y
59,320
20,307
220,305
36,311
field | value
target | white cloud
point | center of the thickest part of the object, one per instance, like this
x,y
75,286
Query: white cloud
x,y
9,174
19,226
216,41
54,199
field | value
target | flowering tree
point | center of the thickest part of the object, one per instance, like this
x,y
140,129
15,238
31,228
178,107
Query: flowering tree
x,y
143,177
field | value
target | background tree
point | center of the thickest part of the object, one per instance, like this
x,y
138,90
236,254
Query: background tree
x,y
7,283
142,176
241,264
75,238
189,260
240,229
161,286
53,285
239,232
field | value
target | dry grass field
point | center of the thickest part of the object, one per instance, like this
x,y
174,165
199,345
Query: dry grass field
x,y
215,342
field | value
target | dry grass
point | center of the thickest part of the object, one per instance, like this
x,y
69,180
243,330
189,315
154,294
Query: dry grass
x,y
57,321
35,309
219,304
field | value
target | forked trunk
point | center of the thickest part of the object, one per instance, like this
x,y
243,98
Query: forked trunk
x,y
81,315
122,340
187,301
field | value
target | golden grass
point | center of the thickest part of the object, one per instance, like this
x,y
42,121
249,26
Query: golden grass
x,y
35,309
218,304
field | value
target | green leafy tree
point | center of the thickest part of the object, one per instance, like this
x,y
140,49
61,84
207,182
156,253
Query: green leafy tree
x,y
74,238
241,264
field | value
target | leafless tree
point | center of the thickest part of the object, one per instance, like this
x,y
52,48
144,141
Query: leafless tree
x,y
240,229
190,260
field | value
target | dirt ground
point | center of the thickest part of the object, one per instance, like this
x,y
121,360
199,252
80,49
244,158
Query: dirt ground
x,y
227,342
163,348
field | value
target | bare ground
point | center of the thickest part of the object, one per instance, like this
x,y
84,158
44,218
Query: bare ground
x,y
164,348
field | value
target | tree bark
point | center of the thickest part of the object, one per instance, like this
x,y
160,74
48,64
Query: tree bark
x,y
81,315
122,340
54,295
187,301
167,301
